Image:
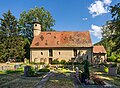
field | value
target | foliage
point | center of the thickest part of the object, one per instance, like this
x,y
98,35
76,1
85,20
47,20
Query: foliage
x,y
106,69
69,63
62,62
112,58
111,32
77,63
118,60
86,69
11,42
26,24
44,70
13,71
30,72
16,36
55,61
27,18
27,61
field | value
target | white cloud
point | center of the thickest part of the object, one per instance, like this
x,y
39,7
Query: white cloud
x,y
96,31
107,2
99,7
84,18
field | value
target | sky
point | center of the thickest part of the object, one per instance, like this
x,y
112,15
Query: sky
x,y
69,15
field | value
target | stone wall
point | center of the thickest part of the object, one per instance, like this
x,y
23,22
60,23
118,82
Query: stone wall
x,y
38,55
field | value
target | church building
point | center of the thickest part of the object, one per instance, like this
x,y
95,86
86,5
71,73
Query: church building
x,y
64,45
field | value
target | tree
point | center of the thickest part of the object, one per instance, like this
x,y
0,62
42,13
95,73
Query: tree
x,y
26,24
111,30
11,42
115,11
27,18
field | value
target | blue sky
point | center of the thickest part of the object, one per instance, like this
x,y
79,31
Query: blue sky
x,y
70,15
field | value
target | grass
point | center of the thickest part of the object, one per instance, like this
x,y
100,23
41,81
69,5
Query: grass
x,y
60,79
110,79
63,70
4,78
13,80
23,83
59,83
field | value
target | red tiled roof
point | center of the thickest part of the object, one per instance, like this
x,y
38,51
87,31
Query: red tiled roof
x,y
62,39
99,49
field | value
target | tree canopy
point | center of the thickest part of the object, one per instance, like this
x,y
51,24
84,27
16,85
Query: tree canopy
x,y
111,33
27,18
16,35
11,42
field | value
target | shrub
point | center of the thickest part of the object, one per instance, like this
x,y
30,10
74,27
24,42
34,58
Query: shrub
x,y
112,58
32,63
29,72
106,69
27,61
118,60
63,62
44,70
69,63
13,71
55,61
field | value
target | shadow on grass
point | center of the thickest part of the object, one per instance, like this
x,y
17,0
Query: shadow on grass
x,y
10,71
13,71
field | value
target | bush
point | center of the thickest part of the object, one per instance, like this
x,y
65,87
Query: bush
x,y
27,61
112,58
118,60
63,62
69,63
55,61
106,69
29,72
44,70
13,71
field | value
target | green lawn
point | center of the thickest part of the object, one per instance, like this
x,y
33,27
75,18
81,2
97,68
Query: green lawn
x,y
13,79
22,83
110,79
60,79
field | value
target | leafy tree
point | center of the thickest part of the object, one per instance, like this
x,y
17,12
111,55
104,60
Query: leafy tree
x,y
115,11
11,42
111,30
26,24
27,18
